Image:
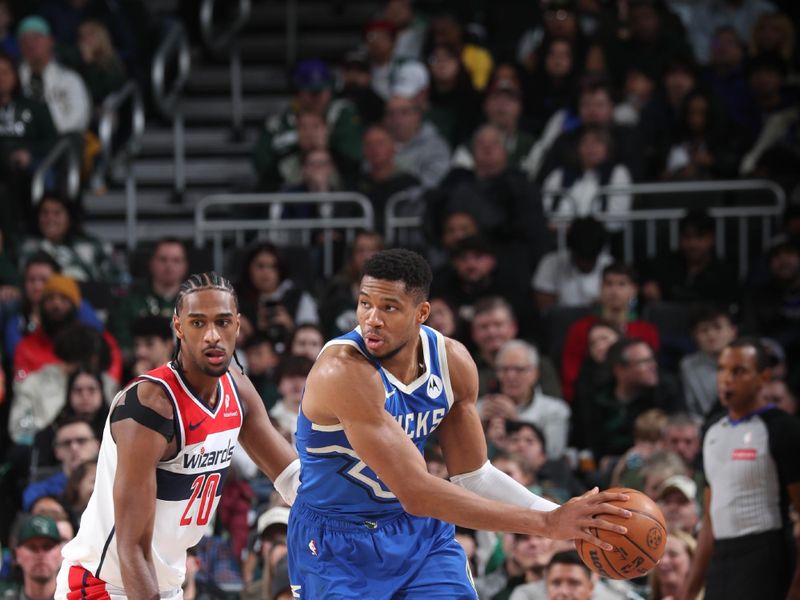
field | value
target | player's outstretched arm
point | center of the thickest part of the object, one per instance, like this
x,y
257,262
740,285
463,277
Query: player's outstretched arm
x,y
350,390
264,444
139,450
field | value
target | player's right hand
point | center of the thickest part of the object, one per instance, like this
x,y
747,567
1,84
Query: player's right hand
x,y
575,519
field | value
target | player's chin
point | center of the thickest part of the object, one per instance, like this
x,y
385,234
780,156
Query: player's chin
x,y
216,370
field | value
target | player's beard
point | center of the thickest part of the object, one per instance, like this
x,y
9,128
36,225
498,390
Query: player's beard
x,y
209,370
389,355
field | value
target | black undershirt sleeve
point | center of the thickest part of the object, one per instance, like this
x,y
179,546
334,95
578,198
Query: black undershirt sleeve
x,y
131,408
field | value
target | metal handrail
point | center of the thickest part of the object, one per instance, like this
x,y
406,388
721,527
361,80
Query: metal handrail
x,y
62,149
109,123
325,201
168,102
392,221
175,42
222,41
228,40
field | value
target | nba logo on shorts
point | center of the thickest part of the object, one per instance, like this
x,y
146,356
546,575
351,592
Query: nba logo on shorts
x,y
313,547
435,386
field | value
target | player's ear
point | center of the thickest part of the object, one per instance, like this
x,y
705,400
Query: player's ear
x,y
423,312
176,325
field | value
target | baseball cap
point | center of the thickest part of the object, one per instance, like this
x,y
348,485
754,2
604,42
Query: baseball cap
x,y
312,74
38,527
410,79
33,24
277,515
682,483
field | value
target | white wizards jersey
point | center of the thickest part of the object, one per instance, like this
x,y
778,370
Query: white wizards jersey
x,y
188,486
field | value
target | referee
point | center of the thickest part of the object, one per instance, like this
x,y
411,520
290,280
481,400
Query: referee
x,y
751,459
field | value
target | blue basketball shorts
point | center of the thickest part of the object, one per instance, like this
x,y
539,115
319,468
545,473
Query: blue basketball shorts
x,y
402,557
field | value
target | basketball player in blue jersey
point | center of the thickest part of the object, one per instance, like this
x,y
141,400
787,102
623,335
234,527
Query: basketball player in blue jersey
x,y
369,521
166,449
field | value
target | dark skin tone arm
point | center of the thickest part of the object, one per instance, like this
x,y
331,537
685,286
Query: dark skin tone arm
x,y
262,442
139,450
344,388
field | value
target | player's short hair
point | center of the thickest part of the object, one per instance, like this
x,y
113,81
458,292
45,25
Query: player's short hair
x,y
763,358
399,264
568,557
210,280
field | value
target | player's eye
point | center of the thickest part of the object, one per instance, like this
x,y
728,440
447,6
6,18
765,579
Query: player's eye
x,y
197,323
224,322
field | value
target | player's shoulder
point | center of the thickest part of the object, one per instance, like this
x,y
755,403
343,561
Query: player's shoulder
x,y
340,362
152,395
462,370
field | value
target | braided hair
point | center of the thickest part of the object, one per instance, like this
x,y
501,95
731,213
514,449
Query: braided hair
x,y
210,280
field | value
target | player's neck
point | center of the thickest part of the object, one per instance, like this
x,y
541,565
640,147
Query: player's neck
x,y
740,412
408,364
204,386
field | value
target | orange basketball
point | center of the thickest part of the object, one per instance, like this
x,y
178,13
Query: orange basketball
x,y
636,552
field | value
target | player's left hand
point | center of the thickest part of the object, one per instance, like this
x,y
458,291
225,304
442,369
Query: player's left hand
x,y
575,519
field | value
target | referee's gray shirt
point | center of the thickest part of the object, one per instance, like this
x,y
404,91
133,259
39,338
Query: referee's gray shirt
x,y
748,464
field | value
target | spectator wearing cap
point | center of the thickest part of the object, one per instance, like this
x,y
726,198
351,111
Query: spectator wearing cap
x,y
677,499
571,277
37,553
769,307
474,273
270,541
454,105
712,329
75,443
44,79
520,397
26,136
313,83
502,107
59,233
503,201
154,296
693,274
58,309
419,149
392,75
356,86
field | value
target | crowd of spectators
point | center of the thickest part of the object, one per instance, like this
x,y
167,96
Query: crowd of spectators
x,y
592,371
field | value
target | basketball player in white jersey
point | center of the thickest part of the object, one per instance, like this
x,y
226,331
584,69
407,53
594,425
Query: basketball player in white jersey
x,y
166,449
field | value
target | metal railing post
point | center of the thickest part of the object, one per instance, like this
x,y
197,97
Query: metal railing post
x,y
167,101
326,223
62,149
227,40
109,123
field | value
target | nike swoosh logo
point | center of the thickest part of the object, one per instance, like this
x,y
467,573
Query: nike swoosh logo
x,y
390,394
193,426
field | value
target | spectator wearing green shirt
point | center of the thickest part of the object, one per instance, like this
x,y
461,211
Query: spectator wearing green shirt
x,y
313,82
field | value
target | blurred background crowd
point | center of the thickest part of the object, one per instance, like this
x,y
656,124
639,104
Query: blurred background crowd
x,y
506,120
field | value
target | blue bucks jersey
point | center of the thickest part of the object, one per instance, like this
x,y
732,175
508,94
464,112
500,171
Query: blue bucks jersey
x,y
334,478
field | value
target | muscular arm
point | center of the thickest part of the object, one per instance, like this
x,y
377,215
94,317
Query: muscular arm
x,y
348,389
705,547
139,450
265,445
